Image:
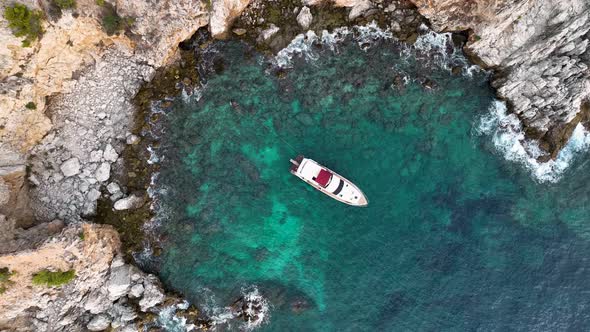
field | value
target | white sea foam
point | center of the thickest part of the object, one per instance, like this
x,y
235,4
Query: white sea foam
x,y
303,44
438,48
225,315
169,321
508,137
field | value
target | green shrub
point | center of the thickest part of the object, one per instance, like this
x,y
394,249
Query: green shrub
x,y
31,105
477,38
24,22
5,275
48,278
65,4
100,2
112,22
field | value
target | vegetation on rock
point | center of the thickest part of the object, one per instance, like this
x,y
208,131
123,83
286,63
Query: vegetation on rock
x,y
24,22
5,275
31,105
65,4
49,278
112,23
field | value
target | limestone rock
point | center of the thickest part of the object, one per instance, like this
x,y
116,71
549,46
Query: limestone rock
x,y
113,188
110,154
4,193
129,203
97,301
103,172
304,18
136,291
121,314
119,282
70,167
539,47
359,9
223,13
268,33
152,294
14,201
96,156
99,323
132,139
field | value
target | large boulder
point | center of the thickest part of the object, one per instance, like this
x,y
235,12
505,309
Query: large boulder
x,y
129,203
152,294
99,323
119,282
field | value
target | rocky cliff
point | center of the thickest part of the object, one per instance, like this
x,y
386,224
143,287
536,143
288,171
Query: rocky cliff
x,y
539,50
103,292
65,115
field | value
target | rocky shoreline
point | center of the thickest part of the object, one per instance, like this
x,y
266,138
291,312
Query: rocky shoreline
x,y
80,154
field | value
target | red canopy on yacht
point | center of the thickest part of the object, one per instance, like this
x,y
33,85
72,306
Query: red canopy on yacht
x,y
323,178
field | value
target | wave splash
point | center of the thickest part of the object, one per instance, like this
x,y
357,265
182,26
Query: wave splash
x,y
508,137
250,311
437,48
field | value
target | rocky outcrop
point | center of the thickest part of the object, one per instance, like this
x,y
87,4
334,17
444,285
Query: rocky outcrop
x,y
91,116
223,13
540,52
97,298
65,117
14,201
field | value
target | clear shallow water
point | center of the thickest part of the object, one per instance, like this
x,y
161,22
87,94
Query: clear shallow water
x,y
455,238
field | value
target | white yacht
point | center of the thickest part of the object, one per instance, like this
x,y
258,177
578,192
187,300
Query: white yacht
x,y
328,181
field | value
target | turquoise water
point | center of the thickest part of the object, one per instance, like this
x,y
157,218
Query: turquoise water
x,y
455,238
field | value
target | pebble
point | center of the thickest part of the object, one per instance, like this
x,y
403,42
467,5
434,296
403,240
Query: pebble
x,y
132,139
110,154
95,156
70,167
103,172
113,188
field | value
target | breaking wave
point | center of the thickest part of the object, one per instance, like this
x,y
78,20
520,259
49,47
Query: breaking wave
x,y
251,311
169,321
437,48
508,137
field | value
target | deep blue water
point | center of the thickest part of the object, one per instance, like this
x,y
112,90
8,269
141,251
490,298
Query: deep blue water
x,y
455,238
